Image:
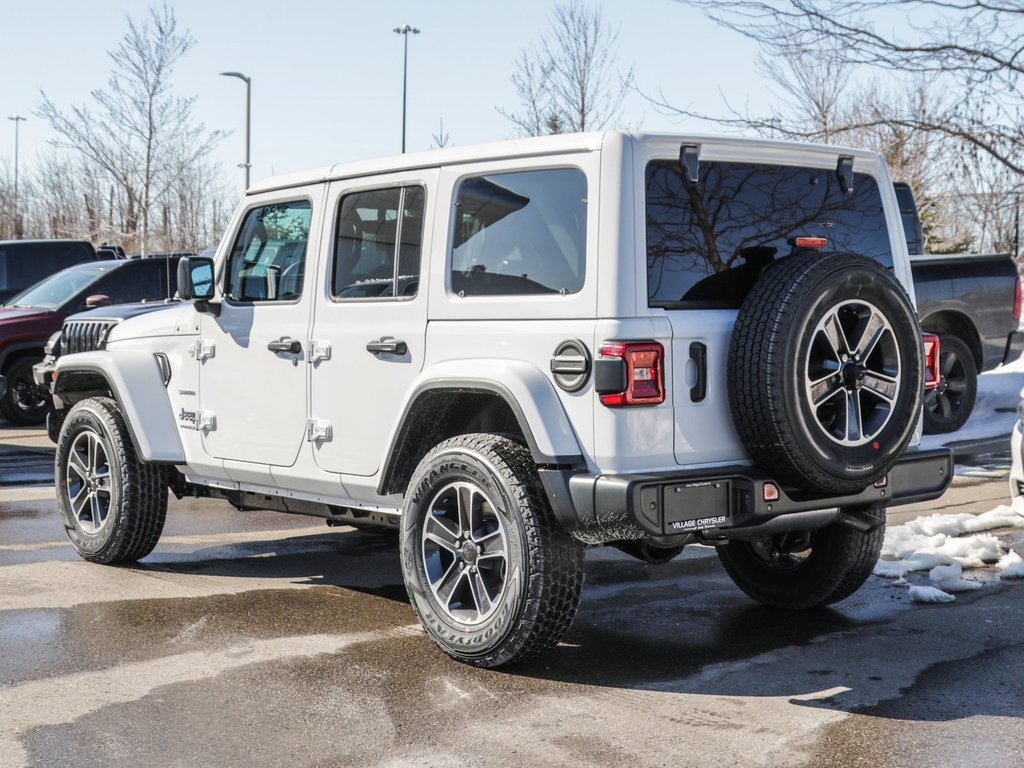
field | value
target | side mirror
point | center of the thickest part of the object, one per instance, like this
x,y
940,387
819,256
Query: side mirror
x,y
195,281
97,300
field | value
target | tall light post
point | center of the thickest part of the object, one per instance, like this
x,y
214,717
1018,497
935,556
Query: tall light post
x,y
17,224
248,118
404,31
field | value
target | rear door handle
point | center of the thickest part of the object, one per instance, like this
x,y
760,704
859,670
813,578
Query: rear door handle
x,y
291,346
387,345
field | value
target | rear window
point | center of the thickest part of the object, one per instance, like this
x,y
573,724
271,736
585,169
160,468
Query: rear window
x,y
520,233
22,264
707,243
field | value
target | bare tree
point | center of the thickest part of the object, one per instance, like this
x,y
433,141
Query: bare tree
x,y
141,135
568,81
973,47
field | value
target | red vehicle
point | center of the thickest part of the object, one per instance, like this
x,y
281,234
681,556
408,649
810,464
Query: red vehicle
x,y
28,319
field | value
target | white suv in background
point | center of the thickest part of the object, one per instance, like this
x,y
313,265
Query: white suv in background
x,y
516,350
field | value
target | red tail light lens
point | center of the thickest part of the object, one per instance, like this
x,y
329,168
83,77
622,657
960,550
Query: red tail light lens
x,y
809,242
1016,301
931,360
644,379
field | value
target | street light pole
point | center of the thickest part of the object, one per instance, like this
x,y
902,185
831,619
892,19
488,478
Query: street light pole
x,y
17,224
248,118
404,31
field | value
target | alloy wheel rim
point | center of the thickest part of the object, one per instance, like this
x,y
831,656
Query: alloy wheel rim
x,y
852,373
465,552
88,483
946,400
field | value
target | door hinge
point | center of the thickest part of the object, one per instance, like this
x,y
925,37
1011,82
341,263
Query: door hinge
x,y
207,421
319,351
318,430
202,349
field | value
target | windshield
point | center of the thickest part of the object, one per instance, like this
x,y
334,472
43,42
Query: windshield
x,y
57,290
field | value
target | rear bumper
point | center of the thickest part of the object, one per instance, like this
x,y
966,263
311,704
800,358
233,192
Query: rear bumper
x,y
723,502
1014,346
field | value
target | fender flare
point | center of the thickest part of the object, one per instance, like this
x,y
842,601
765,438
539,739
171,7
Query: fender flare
x,y
137,384
527,391
14,350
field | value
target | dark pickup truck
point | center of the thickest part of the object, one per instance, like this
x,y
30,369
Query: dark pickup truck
x,y
973,303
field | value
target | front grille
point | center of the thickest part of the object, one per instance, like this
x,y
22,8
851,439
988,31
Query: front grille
x,y
84,335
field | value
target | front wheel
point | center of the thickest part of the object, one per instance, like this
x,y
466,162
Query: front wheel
x,y
25,403
113,503
805,569
491,575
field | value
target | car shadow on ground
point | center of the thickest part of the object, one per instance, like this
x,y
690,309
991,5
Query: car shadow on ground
x,y
675,628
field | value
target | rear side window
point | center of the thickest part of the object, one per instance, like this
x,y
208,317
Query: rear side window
x,y
376,250
520,233
707,243
268,259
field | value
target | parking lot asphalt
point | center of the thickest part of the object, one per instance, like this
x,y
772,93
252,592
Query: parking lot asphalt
x,y
252,638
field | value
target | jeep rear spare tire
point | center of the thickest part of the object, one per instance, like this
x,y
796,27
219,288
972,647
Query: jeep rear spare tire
x,y
825,372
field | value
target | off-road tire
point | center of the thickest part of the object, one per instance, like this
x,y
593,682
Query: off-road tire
x,y
949,405
544,571
137,497
776,335
24,403
839,561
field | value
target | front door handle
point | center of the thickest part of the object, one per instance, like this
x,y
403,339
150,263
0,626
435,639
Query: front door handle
x,y
291,346
387,345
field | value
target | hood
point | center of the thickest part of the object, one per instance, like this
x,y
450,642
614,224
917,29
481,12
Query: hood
x,y
177,319
18,315
120,312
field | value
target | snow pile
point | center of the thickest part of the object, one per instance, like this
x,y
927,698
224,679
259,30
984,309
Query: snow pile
x,y
1011,566
944,545
949,578
930,595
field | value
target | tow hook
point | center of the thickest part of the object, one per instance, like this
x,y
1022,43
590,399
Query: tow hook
x,y
859,521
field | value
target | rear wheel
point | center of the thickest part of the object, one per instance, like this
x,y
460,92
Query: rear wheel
x,y
25,403
491,575
805,569
948,406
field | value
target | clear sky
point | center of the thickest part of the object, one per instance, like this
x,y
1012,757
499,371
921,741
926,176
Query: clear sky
x,y
327,76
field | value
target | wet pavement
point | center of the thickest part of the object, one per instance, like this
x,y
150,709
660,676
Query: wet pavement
x,y
252,639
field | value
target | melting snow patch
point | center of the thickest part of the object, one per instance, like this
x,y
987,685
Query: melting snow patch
x,y
948,578
944,545
1011,566
930,595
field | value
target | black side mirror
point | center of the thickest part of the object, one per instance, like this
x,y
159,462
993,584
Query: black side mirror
x,y
196,281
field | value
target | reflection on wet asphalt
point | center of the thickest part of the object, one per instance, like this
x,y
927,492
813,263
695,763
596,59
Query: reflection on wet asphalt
x,y
258,639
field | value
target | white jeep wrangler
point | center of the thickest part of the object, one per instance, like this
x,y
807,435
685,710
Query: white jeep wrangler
x,y
513,351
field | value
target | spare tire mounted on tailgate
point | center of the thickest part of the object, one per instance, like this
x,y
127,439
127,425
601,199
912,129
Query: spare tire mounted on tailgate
x,y
825,372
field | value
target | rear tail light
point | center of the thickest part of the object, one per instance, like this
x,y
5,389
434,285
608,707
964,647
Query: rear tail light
x,y
931,360
809,242
639,376
1016,301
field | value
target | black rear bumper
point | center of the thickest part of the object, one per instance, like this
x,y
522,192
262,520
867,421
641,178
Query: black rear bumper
x,y
723,501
